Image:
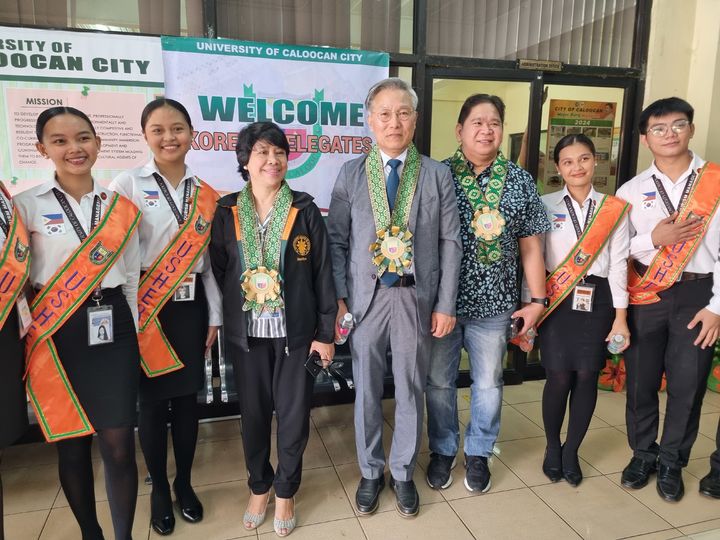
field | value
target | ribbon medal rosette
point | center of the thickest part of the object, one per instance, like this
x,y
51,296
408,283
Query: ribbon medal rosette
x,y
393,250
261,279
488,223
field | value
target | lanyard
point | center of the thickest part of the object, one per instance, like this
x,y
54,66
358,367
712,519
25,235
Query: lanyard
x,y
574,218
6,216
186,198
70,213
666,198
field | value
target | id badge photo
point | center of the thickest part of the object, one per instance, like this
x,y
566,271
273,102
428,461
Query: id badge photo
x,y
100,325
583,296
186,291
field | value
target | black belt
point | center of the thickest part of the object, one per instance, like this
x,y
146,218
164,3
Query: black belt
x,y
641,269
405,281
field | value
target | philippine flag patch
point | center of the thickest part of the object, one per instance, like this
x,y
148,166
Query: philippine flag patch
x,y
152,199
54,224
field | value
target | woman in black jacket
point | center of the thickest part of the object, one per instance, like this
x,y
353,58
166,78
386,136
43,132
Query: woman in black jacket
x,y
269,253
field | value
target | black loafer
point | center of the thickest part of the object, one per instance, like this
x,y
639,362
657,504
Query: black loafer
x,y
191,509
571,471
163,525
670,483
710,484
367,496
637,474
552,465
407,501
162,519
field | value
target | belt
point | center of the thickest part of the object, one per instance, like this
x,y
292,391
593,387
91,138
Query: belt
x,y
405,281
641,269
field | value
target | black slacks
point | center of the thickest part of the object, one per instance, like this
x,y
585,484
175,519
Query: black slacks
x,y
268,379
715,456
661,342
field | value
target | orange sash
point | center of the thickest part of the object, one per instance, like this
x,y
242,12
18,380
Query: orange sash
x,y
560,283
163,278
670,261
56,405
14,270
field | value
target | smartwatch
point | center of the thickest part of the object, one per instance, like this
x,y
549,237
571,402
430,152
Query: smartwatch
x,y
543,301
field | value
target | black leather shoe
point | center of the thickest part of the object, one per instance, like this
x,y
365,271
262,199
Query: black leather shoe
x,y
407,501
572,473
710,484
637,473
162,519
552,465
367,495
670,483
191,509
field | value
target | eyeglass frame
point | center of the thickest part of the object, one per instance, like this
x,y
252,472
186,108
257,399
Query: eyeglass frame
x,y
677,127
398,114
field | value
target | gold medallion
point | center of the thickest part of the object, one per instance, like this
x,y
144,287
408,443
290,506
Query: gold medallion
x,y
260,285
488,224
392,249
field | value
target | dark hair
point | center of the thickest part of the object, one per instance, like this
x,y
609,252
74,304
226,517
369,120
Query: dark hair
x,y
162,102
569,140
52,112
268,132
663,107
477,99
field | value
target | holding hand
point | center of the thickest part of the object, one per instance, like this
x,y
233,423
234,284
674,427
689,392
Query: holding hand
x,y
620,327
211,337
325,350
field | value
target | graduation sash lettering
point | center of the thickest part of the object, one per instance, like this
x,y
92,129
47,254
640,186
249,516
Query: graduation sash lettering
x,y
670,261
59,412
561,281
14,265
163,278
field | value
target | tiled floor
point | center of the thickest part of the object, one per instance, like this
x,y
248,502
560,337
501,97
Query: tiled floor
x,y
521,503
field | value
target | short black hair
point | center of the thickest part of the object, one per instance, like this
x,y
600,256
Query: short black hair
x,y
162,102
569,140
477,99
663,107
52,112
268,132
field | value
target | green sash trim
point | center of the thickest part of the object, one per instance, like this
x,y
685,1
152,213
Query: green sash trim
x,y
266,254
400,217
488,251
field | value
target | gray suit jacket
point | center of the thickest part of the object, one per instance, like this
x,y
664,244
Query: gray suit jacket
x,y
435,225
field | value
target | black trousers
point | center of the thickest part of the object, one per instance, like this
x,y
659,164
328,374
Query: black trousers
x,y
715,456
661,342
268,379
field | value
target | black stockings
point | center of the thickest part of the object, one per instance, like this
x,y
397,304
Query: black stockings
x,y
581,386
117,448
152,428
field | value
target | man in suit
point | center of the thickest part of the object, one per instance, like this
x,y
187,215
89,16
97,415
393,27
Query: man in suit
x,y
395,244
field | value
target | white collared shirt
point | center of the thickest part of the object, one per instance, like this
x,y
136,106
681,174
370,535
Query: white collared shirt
x,y
611,263
159,225
387,168
648,209
53,239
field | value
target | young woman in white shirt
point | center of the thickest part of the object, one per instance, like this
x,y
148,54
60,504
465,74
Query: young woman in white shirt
x,y
573,336
65,217
169,193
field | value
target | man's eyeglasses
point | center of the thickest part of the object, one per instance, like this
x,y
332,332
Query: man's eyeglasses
x,y
403,115
660,130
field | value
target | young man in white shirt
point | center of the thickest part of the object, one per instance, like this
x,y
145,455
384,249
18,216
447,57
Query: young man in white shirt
x,y
674,314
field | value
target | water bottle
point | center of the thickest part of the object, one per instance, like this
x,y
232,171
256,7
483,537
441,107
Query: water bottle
x,y
344,327
617,342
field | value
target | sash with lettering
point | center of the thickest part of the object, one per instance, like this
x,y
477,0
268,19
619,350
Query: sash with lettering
x,y
56,405
560,283
14,262
165,275
670,261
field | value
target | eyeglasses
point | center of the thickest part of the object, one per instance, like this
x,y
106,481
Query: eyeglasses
x,y
403,115
678,126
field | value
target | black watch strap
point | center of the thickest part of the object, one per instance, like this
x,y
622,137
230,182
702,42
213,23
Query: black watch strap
x,y
545,301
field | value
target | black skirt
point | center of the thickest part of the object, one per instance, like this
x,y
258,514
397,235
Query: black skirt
x,y
575,340
186,325
105,377
13,400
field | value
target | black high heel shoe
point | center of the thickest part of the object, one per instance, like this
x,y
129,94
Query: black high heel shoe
x,y
162,519
191,509
571,471
551,465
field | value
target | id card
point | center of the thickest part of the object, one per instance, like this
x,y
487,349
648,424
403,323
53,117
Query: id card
x,y
186,291
583,295
100,325
24,315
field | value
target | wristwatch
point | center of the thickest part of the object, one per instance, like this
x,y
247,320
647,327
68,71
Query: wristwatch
x,y
545,301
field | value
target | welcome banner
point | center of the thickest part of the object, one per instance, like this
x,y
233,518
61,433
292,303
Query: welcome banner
x,y
315,94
